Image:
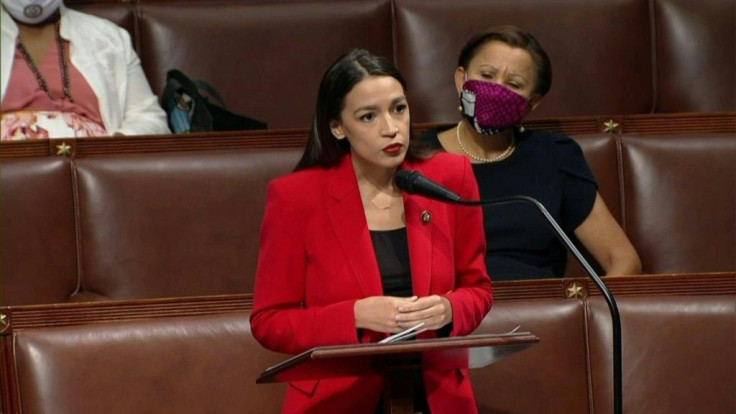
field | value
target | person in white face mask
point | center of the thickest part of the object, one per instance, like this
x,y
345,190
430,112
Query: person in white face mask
x,y
502,75
57,83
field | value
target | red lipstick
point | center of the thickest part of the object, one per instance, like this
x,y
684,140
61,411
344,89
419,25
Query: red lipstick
x,y
393,149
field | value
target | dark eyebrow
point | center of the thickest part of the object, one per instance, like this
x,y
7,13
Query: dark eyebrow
x,y
517,75
365,108
486,67
395,101
398,100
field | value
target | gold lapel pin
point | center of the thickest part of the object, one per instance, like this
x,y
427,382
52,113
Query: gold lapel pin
x,y
426,217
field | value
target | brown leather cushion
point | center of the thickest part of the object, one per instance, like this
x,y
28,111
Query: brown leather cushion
x,y
38,244
680,198
695,55
203,364
601,152
553,372
678,354
268,51
265,59
160,225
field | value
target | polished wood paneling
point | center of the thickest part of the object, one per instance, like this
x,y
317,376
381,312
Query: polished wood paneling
x,y
650,124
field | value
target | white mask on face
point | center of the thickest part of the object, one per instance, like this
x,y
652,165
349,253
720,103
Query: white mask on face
x,y
31,11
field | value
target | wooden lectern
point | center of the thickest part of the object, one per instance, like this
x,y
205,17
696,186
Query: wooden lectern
x,y
398,362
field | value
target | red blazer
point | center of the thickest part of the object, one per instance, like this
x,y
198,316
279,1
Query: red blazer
x,y
317,259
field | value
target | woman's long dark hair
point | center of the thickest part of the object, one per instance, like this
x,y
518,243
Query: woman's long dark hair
x,y
323,149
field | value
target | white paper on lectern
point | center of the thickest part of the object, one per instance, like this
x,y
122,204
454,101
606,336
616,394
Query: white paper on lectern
x,y
405,334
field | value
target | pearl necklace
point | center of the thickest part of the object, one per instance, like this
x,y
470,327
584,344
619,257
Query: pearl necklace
x,y
474,157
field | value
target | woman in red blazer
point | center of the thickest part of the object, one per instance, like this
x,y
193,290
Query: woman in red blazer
x,y
347,258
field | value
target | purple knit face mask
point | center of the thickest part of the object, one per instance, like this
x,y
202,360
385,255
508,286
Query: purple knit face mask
x,y
490,108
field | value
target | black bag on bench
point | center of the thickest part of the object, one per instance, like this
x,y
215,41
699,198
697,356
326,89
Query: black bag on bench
x,y
188,110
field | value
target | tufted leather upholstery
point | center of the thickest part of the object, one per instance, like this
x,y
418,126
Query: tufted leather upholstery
x,y
608,56
203,364
187,223
561,352
266,59
38,247
679,192
686,342
677,355
176,224
695,55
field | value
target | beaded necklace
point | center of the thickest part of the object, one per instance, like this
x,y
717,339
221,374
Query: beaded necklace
x,y
62,61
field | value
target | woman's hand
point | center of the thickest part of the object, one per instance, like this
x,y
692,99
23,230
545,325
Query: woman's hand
x,y
435,311
380,313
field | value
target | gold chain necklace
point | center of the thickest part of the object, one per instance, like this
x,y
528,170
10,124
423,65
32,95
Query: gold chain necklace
x,y
383,206
474,157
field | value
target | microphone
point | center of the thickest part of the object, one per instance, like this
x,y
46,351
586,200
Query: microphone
x,y
413,182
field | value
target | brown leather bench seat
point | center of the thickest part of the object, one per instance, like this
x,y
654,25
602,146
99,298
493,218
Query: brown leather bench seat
x,y
177,224
194,355
678,353
186,223
38,262
193,364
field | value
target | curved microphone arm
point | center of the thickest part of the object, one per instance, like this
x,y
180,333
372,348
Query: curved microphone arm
x,y
550,220
615,317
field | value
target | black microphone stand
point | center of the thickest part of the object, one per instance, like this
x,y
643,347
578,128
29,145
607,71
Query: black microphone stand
x,y
615,317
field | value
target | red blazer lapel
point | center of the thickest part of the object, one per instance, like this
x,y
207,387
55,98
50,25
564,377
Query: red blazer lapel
x,y
419,234
346,215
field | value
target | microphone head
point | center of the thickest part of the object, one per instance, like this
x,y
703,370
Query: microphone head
x,y
413,182
405,180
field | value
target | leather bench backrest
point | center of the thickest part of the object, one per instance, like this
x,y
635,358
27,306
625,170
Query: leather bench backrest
x,y
38,242
209,364
679,194
192,356
608,56
200,364
174,224
601,152
553,371
265,59
695,55
180,224
676,349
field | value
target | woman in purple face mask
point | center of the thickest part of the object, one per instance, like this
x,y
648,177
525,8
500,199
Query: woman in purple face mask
x,y
68,74
502,75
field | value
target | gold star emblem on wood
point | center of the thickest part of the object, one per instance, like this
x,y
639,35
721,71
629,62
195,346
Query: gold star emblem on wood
x,y
575,290
64,149
610,126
